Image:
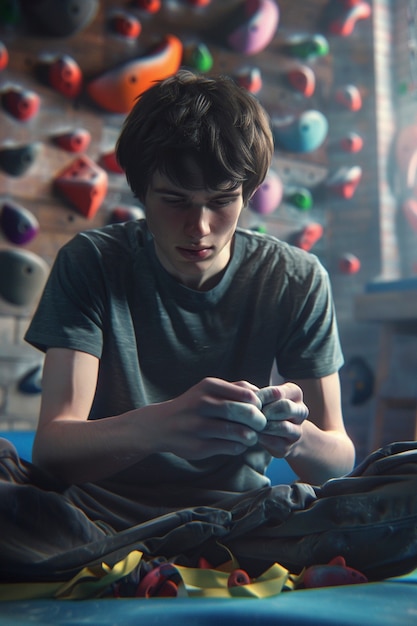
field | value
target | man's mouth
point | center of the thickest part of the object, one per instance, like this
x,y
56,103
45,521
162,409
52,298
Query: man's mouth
x,y
195,254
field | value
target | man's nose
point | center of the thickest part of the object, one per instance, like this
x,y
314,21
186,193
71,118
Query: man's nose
x,y
198,223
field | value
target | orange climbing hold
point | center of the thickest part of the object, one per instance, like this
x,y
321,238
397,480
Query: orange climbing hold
x,y
116,90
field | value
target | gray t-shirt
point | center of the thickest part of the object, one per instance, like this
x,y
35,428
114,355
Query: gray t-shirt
x,y
109,296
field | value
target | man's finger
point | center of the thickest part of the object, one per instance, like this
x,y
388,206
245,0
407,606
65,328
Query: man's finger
x,y
272,393
286,410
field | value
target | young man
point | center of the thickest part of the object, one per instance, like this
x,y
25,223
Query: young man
x,y
160,335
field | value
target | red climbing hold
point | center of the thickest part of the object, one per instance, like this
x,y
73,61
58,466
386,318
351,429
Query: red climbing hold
x,y
302,79
349,97
335,573
23,104
65,76
350,13
345,181
4,56
351,143
308,236
349,264
109,162
238,578
76,140
84,184
126,25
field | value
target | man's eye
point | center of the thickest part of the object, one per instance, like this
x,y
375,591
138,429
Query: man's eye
x,y
220,202
173,200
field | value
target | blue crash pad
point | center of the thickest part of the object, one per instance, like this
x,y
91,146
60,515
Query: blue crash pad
x,y
22,440
374,604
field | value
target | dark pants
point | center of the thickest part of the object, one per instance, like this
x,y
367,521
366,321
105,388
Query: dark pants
x,y
369,517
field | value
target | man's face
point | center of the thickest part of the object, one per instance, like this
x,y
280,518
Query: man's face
x,y
193,229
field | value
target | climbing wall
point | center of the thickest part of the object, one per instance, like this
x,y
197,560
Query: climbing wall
x,y
69,73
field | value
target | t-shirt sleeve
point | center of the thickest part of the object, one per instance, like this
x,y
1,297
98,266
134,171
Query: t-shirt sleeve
x,y
70,311
311,347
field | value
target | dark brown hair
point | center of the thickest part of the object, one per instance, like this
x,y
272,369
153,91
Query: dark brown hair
x,y
213,121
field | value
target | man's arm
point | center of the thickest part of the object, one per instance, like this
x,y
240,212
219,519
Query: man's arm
x,y
66,444
318,447
213,417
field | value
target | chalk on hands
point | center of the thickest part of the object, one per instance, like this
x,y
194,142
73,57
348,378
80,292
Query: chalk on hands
x,y
279,410
246,414
285,410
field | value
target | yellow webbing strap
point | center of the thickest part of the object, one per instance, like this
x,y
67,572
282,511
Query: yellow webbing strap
x,y
88,583
93,582
212,583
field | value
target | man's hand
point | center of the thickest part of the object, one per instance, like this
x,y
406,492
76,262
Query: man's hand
x,y
213,417
285,412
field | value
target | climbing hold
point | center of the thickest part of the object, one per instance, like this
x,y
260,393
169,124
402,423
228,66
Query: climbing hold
x,y
22,276
345,181
260,23
199,57
84,184
117,89
126,214
268,195
199,3
237,578
150,6
16,160
110,163
307,46
162,581
259,228
65,76
76,140
350,97
203,563
302,79
308,236
304,133
62,73
31,382
362,379
18,224
63,18
250,79
351,143
23,104
4,56
349,264
346,15
300,197
336,572
126,25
